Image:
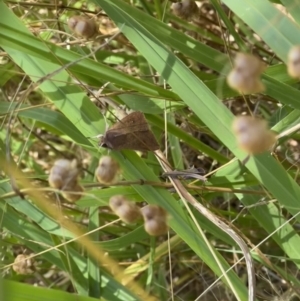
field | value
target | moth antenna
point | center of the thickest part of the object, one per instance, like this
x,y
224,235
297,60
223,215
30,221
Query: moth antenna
x,y
96,137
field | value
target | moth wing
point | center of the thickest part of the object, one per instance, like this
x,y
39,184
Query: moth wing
x,y
135,120
132,132
140,141
151,142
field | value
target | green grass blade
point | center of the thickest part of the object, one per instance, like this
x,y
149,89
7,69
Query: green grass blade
x,y
276,29
24,292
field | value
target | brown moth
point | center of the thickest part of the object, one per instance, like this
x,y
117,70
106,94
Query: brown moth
x,y
131,132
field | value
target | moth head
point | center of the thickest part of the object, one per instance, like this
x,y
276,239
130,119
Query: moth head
x,y
104,142
101,139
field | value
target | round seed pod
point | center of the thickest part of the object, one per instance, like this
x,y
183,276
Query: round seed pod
x,y
293,63
248,64
73,192
83,26
126,210
253,135
55,180
116,202
150,212
63,173
245,75
244,83
155,218
156,227
22,265
185,9
107,170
